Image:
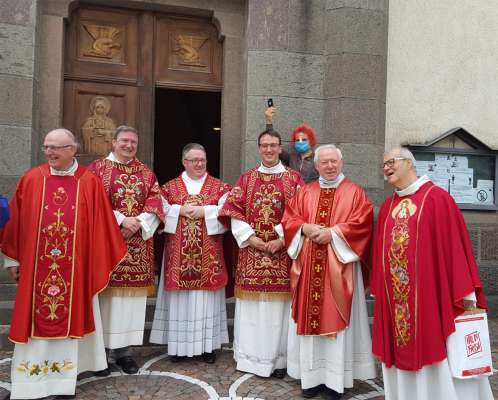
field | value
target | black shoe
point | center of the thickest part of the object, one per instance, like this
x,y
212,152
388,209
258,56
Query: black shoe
x,y
176,359
128,365
279,373
312,392
66,396
332,394
102,373
209,358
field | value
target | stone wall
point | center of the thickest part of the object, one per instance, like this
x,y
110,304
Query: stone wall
x,y
17,82
324,64
441,74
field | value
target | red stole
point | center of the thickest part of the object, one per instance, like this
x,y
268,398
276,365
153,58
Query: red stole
x,y
423,267
259,200
65,237
194,259
132,189
322,286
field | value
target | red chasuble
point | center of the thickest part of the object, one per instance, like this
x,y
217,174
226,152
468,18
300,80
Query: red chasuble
x,y
132,189
194,259
423,268
65,237
322,286
259,200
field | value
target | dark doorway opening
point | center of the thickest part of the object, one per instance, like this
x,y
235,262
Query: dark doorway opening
x,y
182,117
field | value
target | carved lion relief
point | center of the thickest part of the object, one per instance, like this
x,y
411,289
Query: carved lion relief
x,y
98,128
106,41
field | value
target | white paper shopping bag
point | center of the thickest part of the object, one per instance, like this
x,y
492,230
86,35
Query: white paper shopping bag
x,y
469,351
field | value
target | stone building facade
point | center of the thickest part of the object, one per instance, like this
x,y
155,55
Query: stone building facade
x,y
366,74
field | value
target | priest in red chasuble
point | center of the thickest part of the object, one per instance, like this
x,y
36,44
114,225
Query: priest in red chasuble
x,y
424,275
328,230
262,288
61,244
190,315
135,197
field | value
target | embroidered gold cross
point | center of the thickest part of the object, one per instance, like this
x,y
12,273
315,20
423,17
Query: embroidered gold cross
x,y
323,213
314,324
316,296
318,268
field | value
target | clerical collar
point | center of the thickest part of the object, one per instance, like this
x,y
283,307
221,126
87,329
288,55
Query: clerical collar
x,y
326,184
413,187
113,158
276,169
68,172
188,179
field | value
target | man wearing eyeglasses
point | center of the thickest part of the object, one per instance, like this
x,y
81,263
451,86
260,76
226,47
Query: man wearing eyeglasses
x,y
61,244
256,205
190,315
328,230
424,276
134,194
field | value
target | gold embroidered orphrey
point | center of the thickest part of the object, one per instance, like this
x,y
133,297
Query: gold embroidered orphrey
x,y
98,128
398,267
105,41
187,49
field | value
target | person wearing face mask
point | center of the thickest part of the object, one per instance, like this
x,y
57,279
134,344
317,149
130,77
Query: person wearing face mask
x,y
303,140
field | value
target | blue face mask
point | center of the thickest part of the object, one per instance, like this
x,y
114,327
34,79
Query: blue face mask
x,y
302,147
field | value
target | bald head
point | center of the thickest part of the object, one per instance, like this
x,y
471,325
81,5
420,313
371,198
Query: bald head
x,y
60,147
61,133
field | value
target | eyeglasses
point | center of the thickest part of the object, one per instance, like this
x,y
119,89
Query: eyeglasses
x,y
127,141
272,146
55,148
389,163
196,160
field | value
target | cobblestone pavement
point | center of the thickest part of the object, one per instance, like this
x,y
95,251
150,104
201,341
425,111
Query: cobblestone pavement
x,y
191,379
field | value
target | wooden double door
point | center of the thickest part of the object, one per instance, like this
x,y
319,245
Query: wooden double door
x,y
116,60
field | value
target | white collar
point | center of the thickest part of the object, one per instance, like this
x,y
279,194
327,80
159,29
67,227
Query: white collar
x,y
413,187
276,169
188,179
68,172
112,157
331,184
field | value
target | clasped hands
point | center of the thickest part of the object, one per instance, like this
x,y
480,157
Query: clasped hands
x,y
317,233
192,212
271,247
130,226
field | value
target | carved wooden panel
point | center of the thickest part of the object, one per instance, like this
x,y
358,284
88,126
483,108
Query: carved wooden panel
x,y
102,44
188,53
92,111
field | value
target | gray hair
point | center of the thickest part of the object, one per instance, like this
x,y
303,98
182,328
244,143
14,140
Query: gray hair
x,y
192,146
327,146
404,153
124,128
